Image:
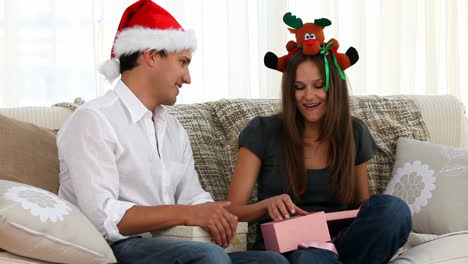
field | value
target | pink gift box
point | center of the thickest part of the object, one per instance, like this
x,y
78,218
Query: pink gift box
x,y
286,235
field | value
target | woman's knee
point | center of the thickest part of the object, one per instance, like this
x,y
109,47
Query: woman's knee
x,y
313,255
391,208
258,257
273,258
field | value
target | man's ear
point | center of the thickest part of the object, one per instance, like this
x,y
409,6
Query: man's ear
x,y
149,57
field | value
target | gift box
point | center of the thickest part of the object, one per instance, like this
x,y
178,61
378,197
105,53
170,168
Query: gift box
x,y
286,235
196,233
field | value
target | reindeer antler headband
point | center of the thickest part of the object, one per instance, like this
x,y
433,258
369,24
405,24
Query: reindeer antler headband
x,y
310,38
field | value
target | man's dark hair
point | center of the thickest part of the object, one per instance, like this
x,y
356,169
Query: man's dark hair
x,y
129,61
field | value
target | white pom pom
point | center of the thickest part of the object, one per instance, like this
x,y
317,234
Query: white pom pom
x,y
110,69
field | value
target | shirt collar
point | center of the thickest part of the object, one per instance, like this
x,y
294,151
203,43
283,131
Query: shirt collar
x,y
160,113
134,106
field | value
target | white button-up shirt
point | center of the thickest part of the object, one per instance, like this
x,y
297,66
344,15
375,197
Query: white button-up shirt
x,y
113,156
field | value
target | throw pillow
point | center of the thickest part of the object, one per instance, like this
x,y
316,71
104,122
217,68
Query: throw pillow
x,y
432,179
28,154
38,224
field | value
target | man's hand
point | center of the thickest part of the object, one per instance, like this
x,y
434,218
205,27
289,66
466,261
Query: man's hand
x,y
214,218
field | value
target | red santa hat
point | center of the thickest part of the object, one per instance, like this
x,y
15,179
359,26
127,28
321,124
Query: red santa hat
x,y
146,26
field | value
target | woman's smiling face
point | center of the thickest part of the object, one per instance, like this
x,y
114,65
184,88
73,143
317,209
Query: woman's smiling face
x,y
311,98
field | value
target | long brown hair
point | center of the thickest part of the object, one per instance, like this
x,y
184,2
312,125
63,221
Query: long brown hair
x,y
335,126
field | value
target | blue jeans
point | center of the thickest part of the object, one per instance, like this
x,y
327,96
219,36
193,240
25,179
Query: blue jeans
x,y
137,250
381,227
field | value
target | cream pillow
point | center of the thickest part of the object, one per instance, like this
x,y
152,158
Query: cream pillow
x,y
433,180
38,224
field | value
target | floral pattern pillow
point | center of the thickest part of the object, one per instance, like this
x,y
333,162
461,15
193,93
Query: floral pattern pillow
x,y
433,180
38,224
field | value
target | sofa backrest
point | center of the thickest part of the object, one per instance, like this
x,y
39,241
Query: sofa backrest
x,y
47,117
445,118
213,128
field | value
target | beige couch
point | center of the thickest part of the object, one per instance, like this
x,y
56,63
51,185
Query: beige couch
x,y
213,128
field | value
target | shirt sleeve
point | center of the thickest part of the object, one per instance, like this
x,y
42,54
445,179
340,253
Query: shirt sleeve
x,y
253,137
364,143
89,150
189,190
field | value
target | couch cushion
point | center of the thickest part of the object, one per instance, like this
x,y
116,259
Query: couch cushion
x,y
388,118
38,224
10,258
449,249
28,154
233,116
208,145
432,179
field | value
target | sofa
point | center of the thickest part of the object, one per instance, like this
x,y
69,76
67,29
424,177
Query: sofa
x,y
409,130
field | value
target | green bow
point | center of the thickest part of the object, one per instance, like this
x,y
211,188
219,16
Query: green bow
x,y
325,50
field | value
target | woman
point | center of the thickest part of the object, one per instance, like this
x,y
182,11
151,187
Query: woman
x,y
313,157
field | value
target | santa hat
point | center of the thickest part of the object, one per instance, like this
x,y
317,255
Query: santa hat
x,y
146,26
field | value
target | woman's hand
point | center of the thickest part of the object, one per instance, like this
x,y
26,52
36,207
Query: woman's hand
x,y
281,207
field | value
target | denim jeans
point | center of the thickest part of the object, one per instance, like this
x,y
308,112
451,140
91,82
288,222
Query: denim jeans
x,y
137,250
381,227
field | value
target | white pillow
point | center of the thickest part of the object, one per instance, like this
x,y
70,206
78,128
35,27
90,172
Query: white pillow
x,y
433,180
38,224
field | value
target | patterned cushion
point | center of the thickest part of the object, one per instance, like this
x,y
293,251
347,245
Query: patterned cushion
x,y
388,118
233,116
208,145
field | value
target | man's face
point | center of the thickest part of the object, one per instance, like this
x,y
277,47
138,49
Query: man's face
x,y
170,73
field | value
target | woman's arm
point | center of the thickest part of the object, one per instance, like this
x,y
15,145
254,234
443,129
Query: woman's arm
x,y
240,190
360,171
241,187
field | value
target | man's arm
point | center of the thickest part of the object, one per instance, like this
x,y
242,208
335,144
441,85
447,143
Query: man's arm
x,y
88,151
209,216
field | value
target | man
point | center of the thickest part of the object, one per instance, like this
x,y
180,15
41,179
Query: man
x,y
128,165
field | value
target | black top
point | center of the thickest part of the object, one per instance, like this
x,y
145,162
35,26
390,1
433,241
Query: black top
x,y
262,137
